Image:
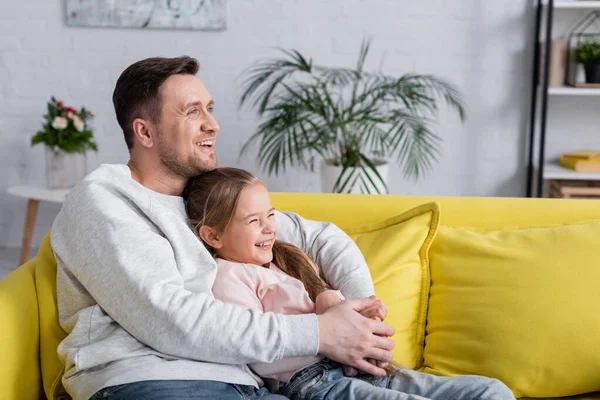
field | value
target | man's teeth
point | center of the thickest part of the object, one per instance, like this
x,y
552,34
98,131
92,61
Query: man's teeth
x,y
205,143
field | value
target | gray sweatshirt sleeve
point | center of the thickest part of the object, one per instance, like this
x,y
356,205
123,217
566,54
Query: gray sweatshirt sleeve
x,y
129,268
339,258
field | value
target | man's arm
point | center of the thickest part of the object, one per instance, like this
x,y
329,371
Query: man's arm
x,y
128,267
340,260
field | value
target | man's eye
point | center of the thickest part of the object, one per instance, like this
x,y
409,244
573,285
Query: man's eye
x,y
193,111
210,109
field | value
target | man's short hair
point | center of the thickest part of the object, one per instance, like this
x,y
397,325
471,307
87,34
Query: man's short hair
x,y
136,93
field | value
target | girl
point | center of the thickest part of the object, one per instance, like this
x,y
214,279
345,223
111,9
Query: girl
x,y
231,211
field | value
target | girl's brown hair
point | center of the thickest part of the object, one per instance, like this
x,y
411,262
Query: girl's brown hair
x,y
211,200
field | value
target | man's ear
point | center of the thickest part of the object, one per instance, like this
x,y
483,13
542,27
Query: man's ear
x,y
143,133
210,237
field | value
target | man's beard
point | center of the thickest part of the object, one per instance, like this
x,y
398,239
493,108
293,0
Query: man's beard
x,y
179,166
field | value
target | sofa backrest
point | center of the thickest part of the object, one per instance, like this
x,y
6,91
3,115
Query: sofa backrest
x,y
476,212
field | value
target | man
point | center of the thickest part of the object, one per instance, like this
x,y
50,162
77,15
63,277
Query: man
x,y
134,282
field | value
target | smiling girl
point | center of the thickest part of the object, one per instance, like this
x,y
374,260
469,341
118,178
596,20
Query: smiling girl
x,y
231,211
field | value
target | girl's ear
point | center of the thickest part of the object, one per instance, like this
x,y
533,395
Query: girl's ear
x,y
210,237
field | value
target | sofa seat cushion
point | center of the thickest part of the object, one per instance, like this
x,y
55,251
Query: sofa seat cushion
x,y
520,305
396,250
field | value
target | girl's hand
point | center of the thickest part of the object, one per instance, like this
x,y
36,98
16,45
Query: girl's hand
x,y
376,311
349,371
326,299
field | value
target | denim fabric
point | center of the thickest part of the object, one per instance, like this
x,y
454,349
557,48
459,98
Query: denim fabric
x,y
325,380
184,389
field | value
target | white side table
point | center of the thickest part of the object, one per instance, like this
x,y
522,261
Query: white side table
x,y
34,194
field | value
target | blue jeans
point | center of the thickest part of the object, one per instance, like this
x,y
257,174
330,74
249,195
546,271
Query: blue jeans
x,y
176,390
325,380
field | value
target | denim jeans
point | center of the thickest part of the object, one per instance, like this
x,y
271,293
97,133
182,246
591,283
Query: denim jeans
x,y
325,380
182,389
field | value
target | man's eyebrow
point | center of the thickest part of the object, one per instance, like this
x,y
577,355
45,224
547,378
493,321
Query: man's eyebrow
x,y
198,102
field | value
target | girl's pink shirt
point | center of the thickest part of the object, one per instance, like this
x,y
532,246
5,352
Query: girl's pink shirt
x,y
267,290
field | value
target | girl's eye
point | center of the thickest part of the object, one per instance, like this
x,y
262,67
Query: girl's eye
x,y
271,215
254,220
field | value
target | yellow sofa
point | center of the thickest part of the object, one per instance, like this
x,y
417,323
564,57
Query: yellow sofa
x,y
29,327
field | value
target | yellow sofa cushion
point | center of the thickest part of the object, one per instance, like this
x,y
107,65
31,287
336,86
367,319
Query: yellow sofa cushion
x,y
520,305
52,333
396,251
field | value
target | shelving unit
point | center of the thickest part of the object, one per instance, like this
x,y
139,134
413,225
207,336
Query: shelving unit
x,y
556,172
573,91
571,5
538,174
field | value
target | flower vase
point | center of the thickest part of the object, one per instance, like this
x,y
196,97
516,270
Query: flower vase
x,y
63,169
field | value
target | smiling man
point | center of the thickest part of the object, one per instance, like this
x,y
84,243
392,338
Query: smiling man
x,y
134,282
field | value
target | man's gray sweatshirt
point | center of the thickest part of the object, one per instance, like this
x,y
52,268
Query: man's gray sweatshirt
x,y
134,291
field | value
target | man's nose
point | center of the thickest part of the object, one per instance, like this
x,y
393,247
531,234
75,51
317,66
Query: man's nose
x,y
210,124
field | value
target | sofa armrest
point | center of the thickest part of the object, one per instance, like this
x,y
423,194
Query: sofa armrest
x,y
20,375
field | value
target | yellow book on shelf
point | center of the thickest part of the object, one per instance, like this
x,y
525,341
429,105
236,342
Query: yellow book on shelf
x,y
581,161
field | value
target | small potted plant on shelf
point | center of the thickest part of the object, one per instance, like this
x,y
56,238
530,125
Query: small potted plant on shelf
x,y
588,53
353,120
67,137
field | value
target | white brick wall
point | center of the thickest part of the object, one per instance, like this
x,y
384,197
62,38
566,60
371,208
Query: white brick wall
x,y
482,46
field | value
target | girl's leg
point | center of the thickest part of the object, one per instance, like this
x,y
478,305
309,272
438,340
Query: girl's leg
x,y
465,387
325,380
356,389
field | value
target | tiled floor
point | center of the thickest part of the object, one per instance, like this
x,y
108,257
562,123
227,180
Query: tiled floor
x,y
9,260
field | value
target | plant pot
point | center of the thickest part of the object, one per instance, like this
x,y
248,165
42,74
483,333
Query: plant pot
x,y
358,183
592,73
64,170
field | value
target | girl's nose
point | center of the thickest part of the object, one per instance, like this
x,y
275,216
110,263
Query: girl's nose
x,y
269,227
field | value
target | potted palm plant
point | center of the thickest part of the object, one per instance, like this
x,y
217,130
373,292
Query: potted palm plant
x,y
353,120
588,53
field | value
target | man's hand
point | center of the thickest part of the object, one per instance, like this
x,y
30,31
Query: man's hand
x,y
378,312
350,338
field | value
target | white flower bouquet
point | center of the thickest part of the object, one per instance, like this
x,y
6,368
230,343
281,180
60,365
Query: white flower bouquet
x,y
66,128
